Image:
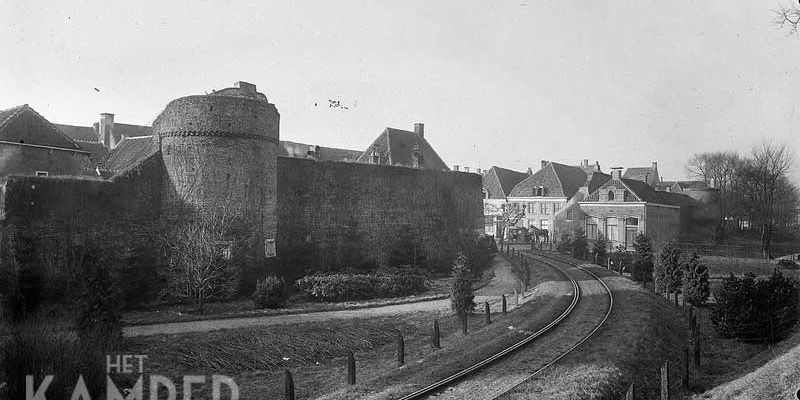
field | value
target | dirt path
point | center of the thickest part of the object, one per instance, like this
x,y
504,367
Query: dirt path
x,y
502,283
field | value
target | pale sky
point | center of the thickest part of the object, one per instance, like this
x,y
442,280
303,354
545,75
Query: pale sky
x,y
506,83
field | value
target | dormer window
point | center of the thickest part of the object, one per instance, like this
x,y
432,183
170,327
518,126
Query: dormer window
x,y
538,191
610,195
376,158
42,174
416,159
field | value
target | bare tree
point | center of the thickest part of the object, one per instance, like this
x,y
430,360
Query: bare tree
x,y
761,177
719,170
508,215
788,17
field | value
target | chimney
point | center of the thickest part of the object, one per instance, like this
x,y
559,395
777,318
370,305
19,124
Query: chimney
x,y
530,171
419,129
245,86
597,166
544,163
585,162
616,173
455,167
478,170
466,169
655,165
106,130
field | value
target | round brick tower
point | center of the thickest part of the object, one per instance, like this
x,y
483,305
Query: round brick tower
x,y
219,152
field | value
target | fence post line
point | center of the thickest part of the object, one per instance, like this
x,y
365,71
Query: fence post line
x,y
665,381
488,312
351,368
503,304
288,385
401,349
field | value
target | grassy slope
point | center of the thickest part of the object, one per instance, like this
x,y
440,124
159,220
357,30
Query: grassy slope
x,y
770,377
642,332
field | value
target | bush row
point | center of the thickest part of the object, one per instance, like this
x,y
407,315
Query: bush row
x,y
344,287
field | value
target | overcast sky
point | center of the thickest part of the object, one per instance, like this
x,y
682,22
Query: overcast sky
x,y
624,82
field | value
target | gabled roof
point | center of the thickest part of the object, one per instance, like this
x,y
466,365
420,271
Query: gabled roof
x,y
14,129
129,152
301,150
498,182
396,147
128,130
644,174
79,133
99,152
641,191
558,180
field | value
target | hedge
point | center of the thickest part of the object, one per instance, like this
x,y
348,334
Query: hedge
x,y
345,287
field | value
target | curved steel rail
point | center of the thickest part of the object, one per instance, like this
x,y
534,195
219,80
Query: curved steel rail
x,y
585,338
441,384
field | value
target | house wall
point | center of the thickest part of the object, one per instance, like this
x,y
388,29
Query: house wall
x,y
17,159
333,206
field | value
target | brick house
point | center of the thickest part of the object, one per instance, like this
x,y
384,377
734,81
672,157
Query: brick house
x,y
621,208
552,193
31,145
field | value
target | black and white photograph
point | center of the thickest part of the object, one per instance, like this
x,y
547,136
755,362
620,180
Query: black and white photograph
x,y
399,200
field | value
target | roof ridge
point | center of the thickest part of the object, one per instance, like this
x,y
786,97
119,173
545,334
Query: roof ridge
x,y
47,122
558,178
16,112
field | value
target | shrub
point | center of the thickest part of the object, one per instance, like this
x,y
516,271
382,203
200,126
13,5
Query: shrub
x,y
22,279
580,247
564,245
462,297
271,292
477,252
642,258
697,286
755,309
600,249
99,302
668,273
345,287
39,350
621,258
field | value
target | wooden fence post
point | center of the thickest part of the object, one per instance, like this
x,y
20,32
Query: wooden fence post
x,y
288,385
676,299
488,312
697,351
686,368
351,368
503,304
435,335
631,394
464,324
665,381
516,298
401,349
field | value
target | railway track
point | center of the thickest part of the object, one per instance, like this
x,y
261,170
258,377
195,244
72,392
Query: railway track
x,y
438,388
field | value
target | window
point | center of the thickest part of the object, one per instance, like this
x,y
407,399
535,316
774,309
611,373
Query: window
x,y
416,159
42,173
610,195
542,208
632,221
612,229
544,224
538,191
570,215
269,248
376,158
591,228
556,207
